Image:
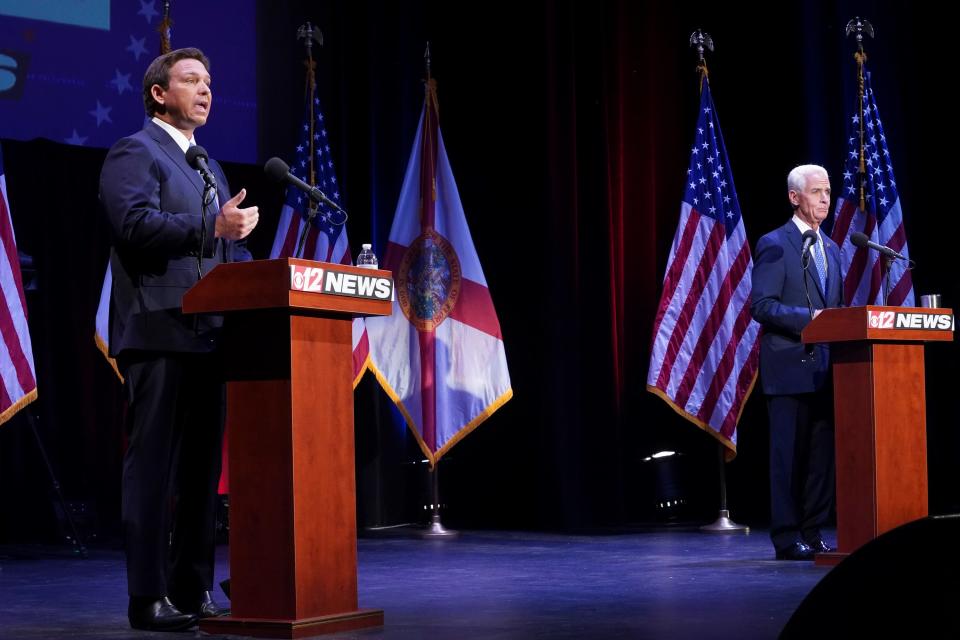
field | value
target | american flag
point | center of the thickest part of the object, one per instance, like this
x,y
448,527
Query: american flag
x,y
19,378
705,343
879,215
327,236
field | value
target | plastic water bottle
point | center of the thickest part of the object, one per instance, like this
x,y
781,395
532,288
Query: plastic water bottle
x,y
366,259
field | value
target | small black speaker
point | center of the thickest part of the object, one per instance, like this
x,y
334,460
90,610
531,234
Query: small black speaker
x,y
906,581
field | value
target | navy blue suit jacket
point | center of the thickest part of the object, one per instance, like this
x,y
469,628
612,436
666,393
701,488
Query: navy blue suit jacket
x,y
779,304
152,200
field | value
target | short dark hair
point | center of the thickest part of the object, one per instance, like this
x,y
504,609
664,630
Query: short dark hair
x,y
159,73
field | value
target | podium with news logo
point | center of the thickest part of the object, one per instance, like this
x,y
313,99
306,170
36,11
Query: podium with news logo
x,y
879,415
288,355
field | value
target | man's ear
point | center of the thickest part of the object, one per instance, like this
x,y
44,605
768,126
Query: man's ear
x,y
157,92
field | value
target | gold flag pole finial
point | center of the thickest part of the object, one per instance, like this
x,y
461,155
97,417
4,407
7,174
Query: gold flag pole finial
x,y
860,26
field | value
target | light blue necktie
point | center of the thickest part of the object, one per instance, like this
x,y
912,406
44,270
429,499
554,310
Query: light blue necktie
x,y
821,266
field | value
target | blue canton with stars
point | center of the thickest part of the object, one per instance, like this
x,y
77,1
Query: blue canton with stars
x,y
710,187
880,191
327,221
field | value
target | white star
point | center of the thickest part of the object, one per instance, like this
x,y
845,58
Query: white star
x,y
883,201
700,130
137,47
723,183
695,201
716,175
705,145
299,148
726,199
851,189
147,10
101,113
333,179
730,215
75,138
706,110
846,175
710,160
702,180
694,151
713,209
693,185
856,119
122,82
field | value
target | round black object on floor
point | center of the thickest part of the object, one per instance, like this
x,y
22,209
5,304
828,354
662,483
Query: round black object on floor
x,y
905,581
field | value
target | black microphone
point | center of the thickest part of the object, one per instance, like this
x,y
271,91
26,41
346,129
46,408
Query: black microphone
x,y
861,240
809,237
197,159
278,170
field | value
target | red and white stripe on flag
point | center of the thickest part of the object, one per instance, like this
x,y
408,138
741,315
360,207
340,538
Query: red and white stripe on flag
x,y
440,355
705,352
19,377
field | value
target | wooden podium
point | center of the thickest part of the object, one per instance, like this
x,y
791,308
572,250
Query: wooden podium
x,y
879,415
288,359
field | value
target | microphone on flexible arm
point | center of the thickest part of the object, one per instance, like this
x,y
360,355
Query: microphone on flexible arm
x,y
863,241
278,170
197,158
809,238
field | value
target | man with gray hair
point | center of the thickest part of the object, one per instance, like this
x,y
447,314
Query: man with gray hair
x,y
796,274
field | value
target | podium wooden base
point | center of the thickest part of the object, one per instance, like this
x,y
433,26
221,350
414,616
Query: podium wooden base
x,y
302,628
829,559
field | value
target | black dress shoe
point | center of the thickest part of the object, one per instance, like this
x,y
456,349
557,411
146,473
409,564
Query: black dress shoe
x,y
203,607
796,551
150,614
819,546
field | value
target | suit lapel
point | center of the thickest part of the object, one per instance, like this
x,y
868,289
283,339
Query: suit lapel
x,y
177,157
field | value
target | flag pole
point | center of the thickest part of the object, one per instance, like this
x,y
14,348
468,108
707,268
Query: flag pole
x,y
435,529
308,35
701,40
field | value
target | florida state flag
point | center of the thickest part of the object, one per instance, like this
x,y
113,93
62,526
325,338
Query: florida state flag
x,y
440,356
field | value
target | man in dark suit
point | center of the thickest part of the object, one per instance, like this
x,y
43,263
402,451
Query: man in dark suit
x,y
154,202
788,290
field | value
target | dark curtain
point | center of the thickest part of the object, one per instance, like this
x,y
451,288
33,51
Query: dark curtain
x,y
568,127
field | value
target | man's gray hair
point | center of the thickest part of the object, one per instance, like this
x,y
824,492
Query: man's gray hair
x,y
797,178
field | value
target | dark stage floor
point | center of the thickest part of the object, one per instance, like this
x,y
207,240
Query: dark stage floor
x,y
489,585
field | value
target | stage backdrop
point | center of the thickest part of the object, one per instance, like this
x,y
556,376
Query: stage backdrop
x,y
569,128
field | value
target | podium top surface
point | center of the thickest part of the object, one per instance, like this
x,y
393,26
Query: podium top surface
x,y
881,324
301,286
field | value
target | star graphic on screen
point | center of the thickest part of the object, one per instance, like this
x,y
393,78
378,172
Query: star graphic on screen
x,y
101,113
76,138
147,10
137,47
122,82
